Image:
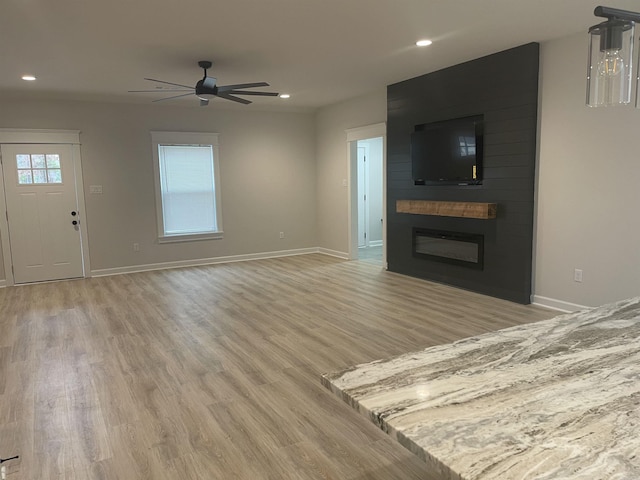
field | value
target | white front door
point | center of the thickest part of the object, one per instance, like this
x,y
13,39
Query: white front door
x,y
42,212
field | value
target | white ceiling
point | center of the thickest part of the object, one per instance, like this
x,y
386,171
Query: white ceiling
x,y
319,51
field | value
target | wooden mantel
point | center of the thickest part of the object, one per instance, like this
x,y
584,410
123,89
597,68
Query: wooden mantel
x,y
483,211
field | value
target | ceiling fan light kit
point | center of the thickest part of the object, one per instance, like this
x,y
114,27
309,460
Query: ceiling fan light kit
x,y
208,87
610,70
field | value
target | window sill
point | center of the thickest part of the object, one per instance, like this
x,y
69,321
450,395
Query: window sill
x,y
194,237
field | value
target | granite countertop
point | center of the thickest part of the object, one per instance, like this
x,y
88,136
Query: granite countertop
x,y
556,399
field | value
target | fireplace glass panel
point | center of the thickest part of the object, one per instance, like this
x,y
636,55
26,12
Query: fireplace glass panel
x,y
458,248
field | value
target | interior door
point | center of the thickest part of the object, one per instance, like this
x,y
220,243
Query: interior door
x,y
362,197
42,212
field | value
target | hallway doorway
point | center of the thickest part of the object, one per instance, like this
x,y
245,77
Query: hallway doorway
x,y
370,222
367,193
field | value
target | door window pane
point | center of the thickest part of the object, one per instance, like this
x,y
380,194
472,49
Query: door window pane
x,y
24,161
37,161
54,176
38,168
24,177
53,161
39,176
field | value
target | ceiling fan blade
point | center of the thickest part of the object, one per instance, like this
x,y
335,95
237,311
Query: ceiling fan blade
x,y
204,102
175,96
168,83
234,99
249,92
161,90
226,88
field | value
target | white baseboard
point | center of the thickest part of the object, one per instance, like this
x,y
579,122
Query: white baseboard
x,y
375,243
554,304
333,253
3,283
203,261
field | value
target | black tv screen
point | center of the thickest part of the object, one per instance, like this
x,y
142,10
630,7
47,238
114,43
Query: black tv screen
x,y
448,152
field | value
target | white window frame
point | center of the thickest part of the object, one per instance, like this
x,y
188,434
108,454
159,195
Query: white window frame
x,y
186,139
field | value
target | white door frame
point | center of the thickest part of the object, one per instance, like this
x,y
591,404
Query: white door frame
x,y
68,137
353,135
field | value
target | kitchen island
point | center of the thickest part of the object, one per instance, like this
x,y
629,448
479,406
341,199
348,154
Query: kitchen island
x,y
556,399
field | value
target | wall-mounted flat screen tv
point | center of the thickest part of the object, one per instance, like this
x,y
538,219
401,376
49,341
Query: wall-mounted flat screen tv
x,y
448,152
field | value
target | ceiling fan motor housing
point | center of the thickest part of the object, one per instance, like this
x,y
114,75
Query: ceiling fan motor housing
x,y
204,91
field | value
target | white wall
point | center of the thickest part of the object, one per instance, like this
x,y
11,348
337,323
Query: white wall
x,y
267,170
332,163
588,188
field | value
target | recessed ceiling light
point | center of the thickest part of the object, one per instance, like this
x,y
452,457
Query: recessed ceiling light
x,y
285,95
29,78
423,43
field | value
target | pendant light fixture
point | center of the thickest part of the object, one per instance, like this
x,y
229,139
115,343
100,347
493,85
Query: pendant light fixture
x,y
610,72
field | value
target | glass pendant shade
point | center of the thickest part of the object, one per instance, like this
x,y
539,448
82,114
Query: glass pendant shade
x,y
610,71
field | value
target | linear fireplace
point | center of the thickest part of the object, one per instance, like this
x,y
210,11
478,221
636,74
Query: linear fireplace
x,y
458,248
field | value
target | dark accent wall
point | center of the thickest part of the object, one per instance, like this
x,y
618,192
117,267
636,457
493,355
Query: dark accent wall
x,y
504,88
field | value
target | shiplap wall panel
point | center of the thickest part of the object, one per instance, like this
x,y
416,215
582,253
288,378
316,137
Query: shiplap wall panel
x,y
504,88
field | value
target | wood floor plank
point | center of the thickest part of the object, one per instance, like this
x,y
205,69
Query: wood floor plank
x,y
214,372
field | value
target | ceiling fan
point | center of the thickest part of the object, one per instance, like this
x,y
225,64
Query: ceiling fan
x,y
207,88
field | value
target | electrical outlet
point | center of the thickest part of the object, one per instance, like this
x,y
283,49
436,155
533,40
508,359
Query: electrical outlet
x,y
577,275
281,234
136,247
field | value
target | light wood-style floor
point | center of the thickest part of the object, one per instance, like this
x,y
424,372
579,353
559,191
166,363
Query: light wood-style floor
x,y
213,372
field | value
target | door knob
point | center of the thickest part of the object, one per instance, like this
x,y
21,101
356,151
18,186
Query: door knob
x,y
74,213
